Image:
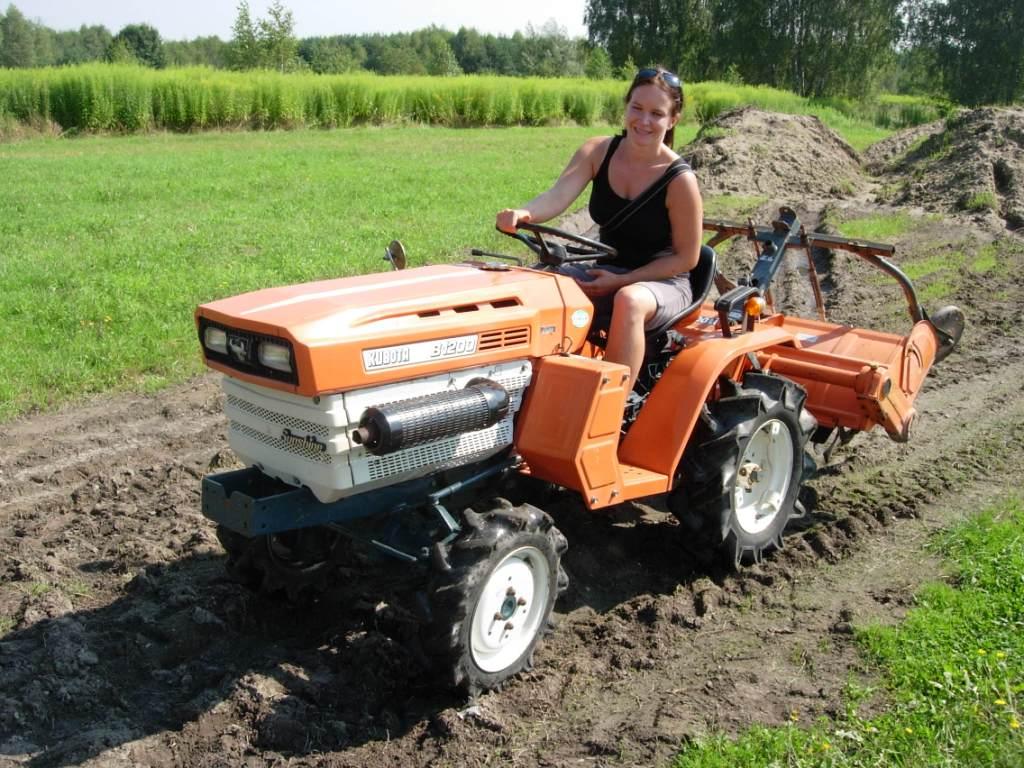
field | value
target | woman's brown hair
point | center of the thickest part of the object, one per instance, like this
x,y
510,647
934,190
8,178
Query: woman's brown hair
x,y
666,81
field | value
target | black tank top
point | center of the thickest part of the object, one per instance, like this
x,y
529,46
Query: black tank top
x,y
642,235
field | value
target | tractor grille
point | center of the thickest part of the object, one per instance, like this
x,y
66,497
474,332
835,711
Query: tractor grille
x,y
306,451
441,454
280,419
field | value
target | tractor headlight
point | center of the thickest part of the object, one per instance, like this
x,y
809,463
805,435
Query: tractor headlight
x,y
276,356
216,339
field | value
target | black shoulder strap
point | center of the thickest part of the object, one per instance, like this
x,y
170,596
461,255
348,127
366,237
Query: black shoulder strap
x,y
677,167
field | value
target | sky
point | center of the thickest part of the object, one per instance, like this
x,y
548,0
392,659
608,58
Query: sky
x,y
186,19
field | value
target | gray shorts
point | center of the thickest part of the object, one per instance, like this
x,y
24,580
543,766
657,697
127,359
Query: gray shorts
x,y
672,295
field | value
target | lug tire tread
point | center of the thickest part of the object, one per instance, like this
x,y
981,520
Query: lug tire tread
x,y
454,592
702,499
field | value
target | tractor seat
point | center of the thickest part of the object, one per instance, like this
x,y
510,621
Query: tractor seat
x,y
702,277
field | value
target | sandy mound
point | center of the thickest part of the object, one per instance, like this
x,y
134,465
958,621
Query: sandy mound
x,y
747,151
976,164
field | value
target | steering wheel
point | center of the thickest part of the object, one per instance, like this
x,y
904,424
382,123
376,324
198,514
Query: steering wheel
x,y
554,254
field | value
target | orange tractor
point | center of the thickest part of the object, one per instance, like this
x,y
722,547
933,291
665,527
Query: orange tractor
x,y
396,419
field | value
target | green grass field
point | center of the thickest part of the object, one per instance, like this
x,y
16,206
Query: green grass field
x,y
953,673
109,243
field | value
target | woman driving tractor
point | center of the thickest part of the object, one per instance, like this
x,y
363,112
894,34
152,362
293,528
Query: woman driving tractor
x,y
647,203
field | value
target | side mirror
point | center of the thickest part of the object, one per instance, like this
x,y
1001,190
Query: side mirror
x,y
394,254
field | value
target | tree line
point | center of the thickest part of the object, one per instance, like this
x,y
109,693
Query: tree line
x,y
270,43
969,51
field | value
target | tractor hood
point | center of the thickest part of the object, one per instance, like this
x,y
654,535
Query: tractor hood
x,y
354,332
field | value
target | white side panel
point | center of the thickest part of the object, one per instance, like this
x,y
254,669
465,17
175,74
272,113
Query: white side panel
x,y
258,418
370,471
303,442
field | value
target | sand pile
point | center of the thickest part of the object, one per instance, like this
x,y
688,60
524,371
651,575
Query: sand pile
x,y
747,151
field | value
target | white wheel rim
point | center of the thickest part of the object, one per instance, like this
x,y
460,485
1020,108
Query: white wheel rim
x,y
511,609
762,477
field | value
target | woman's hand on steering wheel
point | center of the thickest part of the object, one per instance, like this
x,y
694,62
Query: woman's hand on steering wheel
x,y
510,218
552,253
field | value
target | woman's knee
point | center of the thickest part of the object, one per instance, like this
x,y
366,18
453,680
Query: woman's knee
x,y
635,302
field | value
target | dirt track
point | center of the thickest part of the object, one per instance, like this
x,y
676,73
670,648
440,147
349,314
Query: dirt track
x,y
126,645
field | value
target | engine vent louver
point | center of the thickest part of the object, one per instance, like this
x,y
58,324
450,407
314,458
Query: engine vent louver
x,y
507,337
463,308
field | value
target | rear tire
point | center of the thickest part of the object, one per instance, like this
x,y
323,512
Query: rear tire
x,y
493,604
740,477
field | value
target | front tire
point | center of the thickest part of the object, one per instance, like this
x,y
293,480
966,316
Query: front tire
x,y
492,604
741,474
298,563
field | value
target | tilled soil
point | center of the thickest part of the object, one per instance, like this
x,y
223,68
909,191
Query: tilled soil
x,y
123,643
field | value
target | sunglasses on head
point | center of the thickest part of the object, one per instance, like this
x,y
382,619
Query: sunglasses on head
x,y
670,79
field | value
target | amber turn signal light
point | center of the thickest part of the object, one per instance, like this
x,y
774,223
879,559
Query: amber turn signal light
x,y
754,306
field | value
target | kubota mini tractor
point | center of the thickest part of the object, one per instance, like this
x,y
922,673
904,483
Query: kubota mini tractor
x,y
399,416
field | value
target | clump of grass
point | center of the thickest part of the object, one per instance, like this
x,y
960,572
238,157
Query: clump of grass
x,y
978,202
843,188
985,259
953,672
940,262
714,132
889,192
6,625
77,589
912,148
936,291
881,227
37,588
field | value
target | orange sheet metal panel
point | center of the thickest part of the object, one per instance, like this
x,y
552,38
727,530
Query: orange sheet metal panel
x,y
568,428
656,440
921,346
392,319
856,378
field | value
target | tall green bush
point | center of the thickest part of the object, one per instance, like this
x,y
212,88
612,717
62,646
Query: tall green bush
x,y
129,98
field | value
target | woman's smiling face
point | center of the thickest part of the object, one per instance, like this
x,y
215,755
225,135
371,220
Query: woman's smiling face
x,y
649,114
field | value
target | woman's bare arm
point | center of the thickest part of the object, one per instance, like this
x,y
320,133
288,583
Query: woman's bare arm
x,y
573,180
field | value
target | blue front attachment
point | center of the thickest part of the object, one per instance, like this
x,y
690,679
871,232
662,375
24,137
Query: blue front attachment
x,y
403,521
247,501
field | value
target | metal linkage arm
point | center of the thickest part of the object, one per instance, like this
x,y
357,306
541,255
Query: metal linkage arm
x,y
786,233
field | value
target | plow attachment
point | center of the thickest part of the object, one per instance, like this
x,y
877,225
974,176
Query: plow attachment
x,y
855,378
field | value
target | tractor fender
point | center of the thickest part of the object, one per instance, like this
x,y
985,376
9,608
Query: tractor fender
x,y
660,433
